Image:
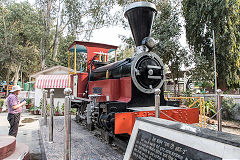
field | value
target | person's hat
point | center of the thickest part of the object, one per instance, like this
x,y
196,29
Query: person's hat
x,y
16,88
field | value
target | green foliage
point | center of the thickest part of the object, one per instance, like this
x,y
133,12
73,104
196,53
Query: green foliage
x,y
1,103
229,108
210,108
62,57
73,110
62,108
48,108
32,108
20,33
202,17
187,102
41,102
57,109
188,93
28,101
167,30
37,108
36,37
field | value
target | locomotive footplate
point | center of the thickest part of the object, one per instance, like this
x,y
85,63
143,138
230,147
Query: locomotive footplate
x,y
137,109
124,122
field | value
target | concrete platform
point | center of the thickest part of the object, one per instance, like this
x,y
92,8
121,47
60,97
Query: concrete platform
x,y
21,152
28,132
84,145
7,146
10,150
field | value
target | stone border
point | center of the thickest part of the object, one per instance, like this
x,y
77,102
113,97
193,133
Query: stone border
x,y
222,137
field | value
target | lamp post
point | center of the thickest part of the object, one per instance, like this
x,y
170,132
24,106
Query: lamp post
x,y
215,66
217,91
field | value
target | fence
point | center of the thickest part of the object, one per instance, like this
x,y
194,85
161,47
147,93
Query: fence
x,y
207,96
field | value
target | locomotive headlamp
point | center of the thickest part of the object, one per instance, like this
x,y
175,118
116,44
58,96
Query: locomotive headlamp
x,y
149,42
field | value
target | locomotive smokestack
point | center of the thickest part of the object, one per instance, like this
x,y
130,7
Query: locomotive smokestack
x,y
140,16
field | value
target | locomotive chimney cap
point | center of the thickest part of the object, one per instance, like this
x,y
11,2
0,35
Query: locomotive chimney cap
x,y
140,16
140,4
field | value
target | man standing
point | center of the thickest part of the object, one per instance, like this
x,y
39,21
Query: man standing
x,y
14,110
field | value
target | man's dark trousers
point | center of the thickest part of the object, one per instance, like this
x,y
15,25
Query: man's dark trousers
x,y
14,122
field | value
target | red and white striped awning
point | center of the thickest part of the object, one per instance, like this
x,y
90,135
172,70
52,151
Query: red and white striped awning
x,y
52,81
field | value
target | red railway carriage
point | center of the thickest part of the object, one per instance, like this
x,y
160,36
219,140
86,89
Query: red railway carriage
x,y
109,96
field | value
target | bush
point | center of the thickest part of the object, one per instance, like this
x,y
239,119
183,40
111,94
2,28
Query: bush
x,y
229,108
32,108
38,108
48,108
73,110
210,108
63,106
1,103
57,109
28,101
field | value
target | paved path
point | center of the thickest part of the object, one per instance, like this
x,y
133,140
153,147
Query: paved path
x,y
84,145
28,133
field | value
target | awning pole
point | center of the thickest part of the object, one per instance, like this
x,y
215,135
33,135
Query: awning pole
x,y
115,55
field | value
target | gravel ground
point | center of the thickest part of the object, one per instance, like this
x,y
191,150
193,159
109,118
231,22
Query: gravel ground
x,y
232,127
84,145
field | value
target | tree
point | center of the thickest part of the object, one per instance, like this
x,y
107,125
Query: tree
x,y
167,30
19,22
127,49
202,17
73,17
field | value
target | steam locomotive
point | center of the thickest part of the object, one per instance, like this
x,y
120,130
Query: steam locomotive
x,y
110,96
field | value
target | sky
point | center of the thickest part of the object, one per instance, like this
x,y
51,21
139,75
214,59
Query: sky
x,y
110,35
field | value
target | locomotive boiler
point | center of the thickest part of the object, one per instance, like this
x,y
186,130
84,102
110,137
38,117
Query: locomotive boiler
x,y
110,97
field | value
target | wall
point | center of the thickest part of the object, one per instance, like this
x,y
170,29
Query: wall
x,y
58,97
27,94
56,101
38,96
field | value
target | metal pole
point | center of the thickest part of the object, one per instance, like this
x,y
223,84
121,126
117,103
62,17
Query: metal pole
x,y
219,110
157,102
215,63
45,108
215,69
51,115
67,124
43,103
75,59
